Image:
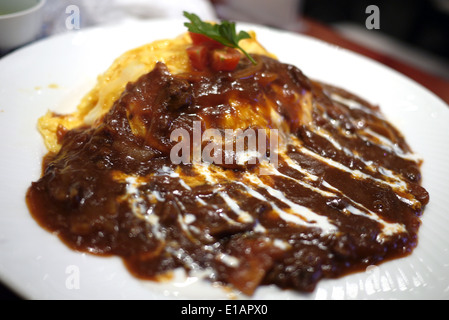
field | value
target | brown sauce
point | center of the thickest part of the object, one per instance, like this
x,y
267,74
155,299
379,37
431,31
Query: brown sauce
x,y
349,175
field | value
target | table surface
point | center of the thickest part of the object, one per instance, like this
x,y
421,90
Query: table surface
x,y
315,29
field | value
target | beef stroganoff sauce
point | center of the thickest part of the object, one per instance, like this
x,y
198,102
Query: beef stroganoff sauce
x,y
343,194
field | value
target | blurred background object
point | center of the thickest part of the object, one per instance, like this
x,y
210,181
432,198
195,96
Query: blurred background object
x,y
110,12
20,22
413,31
282,14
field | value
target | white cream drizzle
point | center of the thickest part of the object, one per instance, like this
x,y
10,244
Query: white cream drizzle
x,y
374,137
353,104
243,216
398,184
388,145
139,206
296,214
229,260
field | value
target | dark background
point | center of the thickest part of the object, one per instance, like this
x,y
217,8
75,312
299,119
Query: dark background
x,y
419,23
414,32
6,294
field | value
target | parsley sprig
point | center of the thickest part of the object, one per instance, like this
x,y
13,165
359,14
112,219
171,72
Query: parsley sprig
x,y
225,32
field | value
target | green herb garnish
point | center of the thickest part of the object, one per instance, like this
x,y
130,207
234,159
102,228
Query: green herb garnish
x,y
224,33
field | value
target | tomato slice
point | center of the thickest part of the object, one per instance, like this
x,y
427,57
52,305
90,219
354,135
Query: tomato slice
x,y
225,59
201,39
199,56
204,54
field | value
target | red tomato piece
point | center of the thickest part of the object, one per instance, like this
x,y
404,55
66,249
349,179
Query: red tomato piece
x,y
225,59
199,56
201,39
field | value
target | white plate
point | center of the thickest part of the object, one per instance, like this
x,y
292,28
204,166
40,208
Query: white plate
x,y
55,73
